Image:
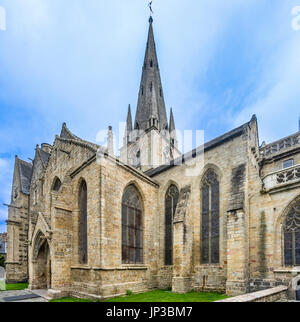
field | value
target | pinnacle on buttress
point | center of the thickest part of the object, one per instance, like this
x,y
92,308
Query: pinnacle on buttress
x,y
172,129
129,120
172,122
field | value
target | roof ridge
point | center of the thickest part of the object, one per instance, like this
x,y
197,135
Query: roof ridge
x,y
193,153
84,143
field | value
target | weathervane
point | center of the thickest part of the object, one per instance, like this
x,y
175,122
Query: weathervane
x,y
150,7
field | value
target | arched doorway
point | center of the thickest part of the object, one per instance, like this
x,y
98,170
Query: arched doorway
x,y
41,263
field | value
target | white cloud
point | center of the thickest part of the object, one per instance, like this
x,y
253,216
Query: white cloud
x,y
277,96
6,171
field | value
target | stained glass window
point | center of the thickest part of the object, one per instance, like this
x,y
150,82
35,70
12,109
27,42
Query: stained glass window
x,y
132,227
83,249
292,237
171,201
210,219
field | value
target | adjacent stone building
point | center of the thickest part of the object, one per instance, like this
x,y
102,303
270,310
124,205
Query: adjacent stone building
x,y
225,217
3,238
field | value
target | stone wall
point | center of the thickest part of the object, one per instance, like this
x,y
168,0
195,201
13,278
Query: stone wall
x,y
275,294
17,232
222,159
250,238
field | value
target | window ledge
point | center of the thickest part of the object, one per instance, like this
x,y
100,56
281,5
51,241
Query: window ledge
x,y
81,267
209,266
295,269
134,267
122,268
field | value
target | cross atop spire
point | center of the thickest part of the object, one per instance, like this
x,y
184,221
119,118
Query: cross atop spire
x,y
151,99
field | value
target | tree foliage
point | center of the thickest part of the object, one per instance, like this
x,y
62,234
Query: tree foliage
x,y
2,261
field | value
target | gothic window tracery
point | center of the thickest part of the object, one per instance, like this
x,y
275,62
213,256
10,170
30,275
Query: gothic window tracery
x,y
291,232
210,219
171,200
132,227
83,245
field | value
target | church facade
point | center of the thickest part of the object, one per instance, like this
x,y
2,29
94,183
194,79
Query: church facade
x,y
83,222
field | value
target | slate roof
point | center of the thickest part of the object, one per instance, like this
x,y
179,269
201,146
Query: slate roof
x,y
44,156
207,146
25,171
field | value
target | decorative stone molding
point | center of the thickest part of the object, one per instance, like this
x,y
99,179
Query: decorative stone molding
x,y
280,146
288,175
277,180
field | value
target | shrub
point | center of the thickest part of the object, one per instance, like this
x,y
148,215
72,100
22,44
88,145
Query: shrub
x,y
2,261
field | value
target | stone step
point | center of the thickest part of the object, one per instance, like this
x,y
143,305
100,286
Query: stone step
x,y
20,297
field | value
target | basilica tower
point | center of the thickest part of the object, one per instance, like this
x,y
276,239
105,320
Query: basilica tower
x,y
150,141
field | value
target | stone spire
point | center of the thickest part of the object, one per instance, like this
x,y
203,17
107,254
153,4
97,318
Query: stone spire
x,y
151,98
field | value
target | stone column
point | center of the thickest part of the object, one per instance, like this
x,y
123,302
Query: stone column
x,y
182,245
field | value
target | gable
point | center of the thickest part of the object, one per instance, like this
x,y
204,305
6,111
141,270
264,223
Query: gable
x,y
21,178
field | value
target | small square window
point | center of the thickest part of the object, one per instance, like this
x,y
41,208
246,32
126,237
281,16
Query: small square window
x,y
288,163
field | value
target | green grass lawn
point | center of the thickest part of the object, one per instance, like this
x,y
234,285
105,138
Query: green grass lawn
x,y
158,296
70,299
166,296
16,287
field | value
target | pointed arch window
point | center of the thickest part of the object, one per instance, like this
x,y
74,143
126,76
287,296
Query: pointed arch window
x,y
291,232
132,226
151,63
210,219
83,242
171,200
56,185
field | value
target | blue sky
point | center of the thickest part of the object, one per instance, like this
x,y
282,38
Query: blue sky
x,y
80,62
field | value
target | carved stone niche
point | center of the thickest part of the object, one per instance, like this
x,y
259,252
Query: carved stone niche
x,y
182,204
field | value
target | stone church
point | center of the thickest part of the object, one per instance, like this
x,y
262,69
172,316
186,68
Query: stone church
x,y
85,222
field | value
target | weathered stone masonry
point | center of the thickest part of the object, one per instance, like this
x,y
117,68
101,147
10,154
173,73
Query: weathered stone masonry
x,y
234,228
